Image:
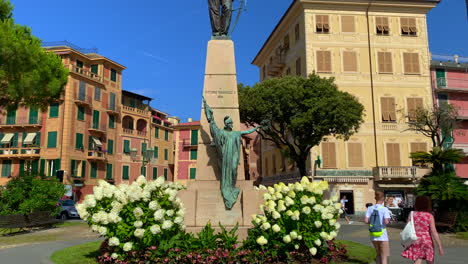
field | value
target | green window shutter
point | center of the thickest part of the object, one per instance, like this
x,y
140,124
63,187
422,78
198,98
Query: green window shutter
x,y
96,119
93,170
113,76
111,121
73,171
126,146
81,113
166,154
193,173
90,142
94,68
11,117
21,168
42,169
156,132
110,146
166,135
143,171
22,142
155,173
112,101
38,139
15,140
165,174
54,110
83,169
109,171
156,152
194,137
56,167
125,172
193,154
33,116
35,166
97,93
52,139
143,148
79,141
82,91
6,168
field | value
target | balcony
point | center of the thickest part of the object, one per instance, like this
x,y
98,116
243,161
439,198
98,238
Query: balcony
x,y
22,122
128,131
162,122
113,110
82,99
451,84
276,65
84,73
101,129
187,143
399,173
462,114
135,110
20,153
141,133
96,155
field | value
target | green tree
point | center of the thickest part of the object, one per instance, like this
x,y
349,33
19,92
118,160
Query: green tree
x,y
28,193
29,75
296,113
438,158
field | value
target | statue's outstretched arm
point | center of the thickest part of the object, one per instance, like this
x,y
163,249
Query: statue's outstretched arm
x,y
208,111
250,130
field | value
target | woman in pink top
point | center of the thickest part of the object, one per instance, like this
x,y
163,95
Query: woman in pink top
x,y
423,248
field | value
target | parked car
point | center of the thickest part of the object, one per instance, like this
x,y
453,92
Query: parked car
x,y
68,209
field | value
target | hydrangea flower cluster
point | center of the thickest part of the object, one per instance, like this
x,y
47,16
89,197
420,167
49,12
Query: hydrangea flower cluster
x,y
134,216
296,217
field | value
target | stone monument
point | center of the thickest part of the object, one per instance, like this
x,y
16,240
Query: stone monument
x,y
203,199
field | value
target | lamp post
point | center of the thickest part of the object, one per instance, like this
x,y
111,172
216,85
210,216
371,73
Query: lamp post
x,y
146,156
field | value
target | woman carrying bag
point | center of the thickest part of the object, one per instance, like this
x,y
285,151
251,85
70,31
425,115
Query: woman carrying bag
x,y
424,225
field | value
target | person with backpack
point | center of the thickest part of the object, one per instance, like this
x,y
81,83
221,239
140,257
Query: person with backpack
x,y
378,216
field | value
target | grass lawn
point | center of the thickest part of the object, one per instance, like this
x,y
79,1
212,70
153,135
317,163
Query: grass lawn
x,y
462,235
85,254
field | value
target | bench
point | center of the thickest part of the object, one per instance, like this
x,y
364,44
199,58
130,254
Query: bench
x,y
446,220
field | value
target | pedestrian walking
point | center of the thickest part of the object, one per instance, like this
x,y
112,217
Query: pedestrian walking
x,y
378,216
424,225
343,202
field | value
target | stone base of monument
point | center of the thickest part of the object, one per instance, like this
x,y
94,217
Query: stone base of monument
x,y
204,203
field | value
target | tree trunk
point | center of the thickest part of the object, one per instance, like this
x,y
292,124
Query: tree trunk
x,y
301,165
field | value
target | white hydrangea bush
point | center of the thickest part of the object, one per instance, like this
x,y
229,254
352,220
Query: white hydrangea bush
x,y
135,216
295,217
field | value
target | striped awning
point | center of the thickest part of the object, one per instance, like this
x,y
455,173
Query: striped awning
x,y
97,142
345,179
29,138
7,138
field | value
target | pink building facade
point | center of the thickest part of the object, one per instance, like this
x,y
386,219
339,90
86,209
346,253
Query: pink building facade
x,y
450,85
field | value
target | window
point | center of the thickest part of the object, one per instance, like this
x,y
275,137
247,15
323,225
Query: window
x,y
329,155
347,24
286,43
166,154
109,171
93,170
33,116
143,171
393,154
78,168
79,64
113,76
413,105
418,147
297,34
323,61
52,167
194,137
126,146
81,113
411,63
156,132
388,109
110,146
125,172
52,139
95,119
193,173
79,141
94,69
193,154
6,168
355,159
143,148
11,117
82,91
166,135
156,152
321,24
54,110
111,121
381,25
165,174
350,61
408,26
112,101
97,93
298,67
155,173
385,62
288,71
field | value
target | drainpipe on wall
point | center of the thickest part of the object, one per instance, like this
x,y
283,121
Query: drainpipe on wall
x,y
372,85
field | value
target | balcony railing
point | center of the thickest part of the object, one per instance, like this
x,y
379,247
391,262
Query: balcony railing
x,y
97,128
452,84
128,131
96,155
276,65
113,110
82,99
21,122
143,111
186,143
20,152
399,172
85,73
141,133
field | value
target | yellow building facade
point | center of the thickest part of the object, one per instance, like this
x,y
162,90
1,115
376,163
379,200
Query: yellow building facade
x,y
377,51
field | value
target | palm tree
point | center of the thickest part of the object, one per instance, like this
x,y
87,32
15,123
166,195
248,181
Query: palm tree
x,y
438,158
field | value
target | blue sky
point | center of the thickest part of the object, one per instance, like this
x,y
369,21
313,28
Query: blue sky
x,y
163,43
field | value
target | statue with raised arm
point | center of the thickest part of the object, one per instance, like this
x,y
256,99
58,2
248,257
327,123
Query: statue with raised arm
x,y
221,15
227,144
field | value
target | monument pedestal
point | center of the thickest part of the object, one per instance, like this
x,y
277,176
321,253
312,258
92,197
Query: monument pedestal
x,y
202,199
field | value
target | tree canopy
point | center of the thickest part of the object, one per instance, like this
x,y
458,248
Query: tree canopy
x,y
29,75
297,113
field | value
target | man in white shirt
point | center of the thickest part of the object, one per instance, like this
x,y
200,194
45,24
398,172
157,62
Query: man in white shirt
x,y
343,202
380,243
